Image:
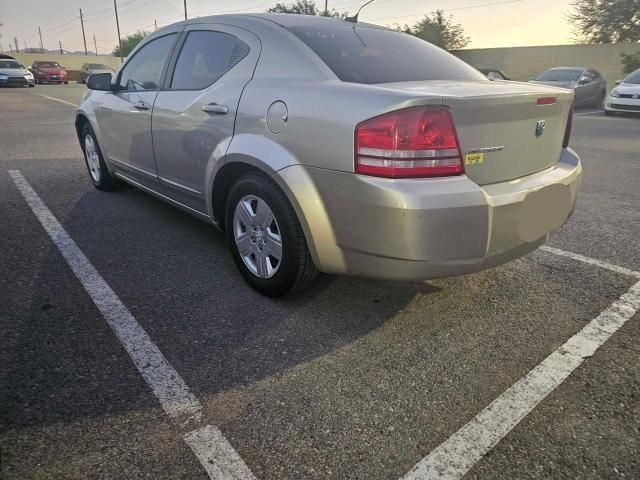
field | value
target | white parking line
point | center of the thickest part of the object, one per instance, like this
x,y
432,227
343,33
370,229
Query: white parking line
x,y
591,261
209,445
57,100
217,456
167,385
457,455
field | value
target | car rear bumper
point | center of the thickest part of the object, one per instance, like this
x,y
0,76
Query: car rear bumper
x,y
622,104
415,229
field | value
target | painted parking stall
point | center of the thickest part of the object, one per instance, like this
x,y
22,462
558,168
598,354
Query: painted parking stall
x,y
216,424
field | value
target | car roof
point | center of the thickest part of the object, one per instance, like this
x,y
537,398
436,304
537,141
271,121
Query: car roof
x,y
569,68
283,19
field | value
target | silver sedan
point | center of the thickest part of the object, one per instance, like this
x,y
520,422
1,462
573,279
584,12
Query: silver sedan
x,y
322,145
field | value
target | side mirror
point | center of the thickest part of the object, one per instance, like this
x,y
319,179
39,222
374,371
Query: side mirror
x,y
100,81
618,82
583,81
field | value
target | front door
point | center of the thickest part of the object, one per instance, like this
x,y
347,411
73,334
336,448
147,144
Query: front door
x,y
124,116
193,117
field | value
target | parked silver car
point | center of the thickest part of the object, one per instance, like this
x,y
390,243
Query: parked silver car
x,y
588,85
319,144
14,74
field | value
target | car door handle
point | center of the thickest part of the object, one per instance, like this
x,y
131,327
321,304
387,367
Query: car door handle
x,y
215,108
142,105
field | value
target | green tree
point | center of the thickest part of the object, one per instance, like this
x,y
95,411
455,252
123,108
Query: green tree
x,y
631,62
304,7
606,21
129,43
440,30
301,7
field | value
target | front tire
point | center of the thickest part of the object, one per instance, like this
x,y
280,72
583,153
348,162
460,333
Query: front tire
x,y
266,238
98,172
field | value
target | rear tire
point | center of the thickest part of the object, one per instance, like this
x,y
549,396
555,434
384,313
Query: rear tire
x,y
97,169
266,238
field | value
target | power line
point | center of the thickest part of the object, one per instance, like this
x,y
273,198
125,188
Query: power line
x,y
469,7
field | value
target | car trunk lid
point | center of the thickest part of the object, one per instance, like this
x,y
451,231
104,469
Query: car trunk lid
x,y
503,132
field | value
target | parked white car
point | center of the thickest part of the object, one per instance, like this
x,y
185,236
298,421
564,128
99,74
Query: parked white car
x,y
625,97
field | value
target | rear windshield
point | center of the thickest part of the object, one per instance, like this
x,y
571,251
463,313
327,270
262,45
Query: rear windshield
x,y
559,76
47,64
97,66
372,55
633,78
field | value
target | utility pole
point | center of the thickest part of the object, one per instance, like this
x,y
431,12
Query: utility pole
x,y
185,9
25,46
15,39
95,44
41,44
115,6
155,22
326,8
10,49
84,38
60,43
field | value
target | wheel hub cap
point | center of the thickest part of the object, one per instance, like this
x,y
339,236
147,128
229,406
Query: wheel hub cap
x,y
93,159
257,236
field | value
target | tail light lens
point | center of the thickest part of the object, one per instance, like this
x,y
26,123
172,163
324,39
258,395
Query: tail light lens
x,y
412,142
567,131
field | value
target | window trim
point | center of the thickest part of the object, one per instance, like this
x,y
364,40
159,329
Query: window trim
x,y
166,86
163,72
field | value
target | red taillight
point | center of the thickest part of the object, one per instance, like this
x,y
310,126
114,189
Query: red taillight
x,y
567,131
546,101
412,142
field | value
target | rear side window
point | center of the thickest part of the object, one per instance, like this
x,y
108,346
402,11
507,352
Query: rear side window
x,y
205,57
372,55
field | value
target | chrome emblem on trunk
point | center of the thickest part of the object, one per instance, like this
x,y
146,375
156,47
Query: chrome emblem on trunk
x,y
540,127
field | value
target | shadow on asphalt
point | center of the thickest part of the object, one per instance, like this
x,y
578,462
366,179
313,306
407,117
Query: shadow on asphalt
x,y
177,277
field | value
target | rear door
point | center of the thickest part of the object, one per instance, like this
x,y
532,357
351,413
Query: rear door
x,y
124,116
194,115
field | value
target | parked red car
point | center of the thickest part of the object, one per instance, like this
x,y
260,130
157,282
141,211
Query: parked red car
x,y
49,72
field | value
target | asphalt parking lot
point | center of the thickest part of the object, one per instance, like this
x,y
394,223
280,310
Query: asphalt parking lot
x,y
529,370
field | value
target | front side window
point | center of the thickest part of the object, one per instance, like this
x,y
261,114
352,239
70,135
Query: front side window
x,y
205,57
144,70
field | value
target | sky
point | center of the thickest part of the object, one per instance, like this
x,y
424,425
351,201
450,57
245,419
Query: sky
x,y
502,23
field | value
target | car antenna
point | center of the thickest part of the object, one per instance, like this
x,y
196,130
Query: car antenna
x,y
354,19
